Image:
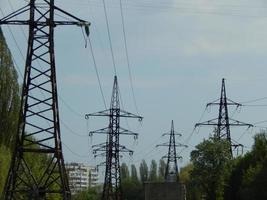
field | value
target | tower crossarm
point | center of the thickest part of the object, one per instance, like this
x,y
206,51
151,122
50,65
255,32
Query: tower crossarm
x,y
103,148
177,157
106,130
130,115
100,131
103,154
175,133
124,131
123,149
233,122
229,103
166,144
108,112
212,122
9,19
102,113
104,144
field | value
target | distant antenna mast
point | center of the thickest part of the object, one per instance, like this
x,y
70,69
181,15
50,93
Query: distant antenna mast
x,y
112,148
171,171
223,122
38,128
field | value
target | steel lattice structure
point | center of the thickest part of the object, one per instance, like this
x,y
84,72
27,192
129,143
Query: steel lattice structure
x,y
38,135
171,171
223,122
112,148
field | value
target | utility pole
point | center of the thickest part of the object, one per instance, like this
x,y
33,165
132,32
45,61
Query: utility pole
x,y
223,122
112,148
38,134
171,171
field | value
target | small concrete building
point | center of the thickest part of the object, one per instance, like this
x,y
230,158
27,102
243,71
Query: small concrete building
x,y
165,191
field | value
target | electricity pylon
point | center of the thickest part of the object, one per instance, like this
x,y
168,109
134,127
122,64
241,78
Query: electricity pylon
x,y
223,122
171,171
38,134
112,148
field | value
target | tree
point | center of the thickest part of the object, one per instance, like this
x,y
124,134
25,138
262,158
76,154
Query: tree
x,y
89,194
249,175
192,189
9,108
143,169
132,188
162,169
124,172
9,95
153,171
211,165
134,176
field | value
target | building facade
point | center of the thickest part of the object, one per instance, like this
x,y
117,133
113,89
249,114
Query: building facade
x,y
81,176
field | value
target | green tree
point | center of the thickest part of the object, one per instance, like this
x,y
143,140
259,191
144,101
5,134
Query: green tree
x,y
9,95
132,190
162,169
134,176
9,108
211,165
89,194
153,171
249,175
192,189
125,174
143,170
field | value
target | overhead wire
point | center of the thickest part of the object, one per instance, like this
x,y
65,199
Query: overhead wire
x,y
97,73
191,8
127,56
186,141
254,100
73,152
109,37
71,130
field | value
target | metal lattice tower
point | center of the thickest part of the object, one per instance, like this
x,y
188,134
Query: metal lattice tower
x,y
38,134
171,171
112,148
223,122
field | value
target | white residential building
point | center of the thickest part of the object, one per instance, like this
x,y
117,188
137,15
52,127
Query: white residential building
x,y
81,176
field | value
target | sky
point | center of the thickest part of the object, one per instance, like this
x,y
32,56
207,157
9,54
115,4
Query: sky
x,y
179,51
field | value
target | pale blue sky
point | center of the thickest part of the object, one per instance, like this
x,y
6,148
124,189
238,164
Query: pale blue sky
x,y
179,51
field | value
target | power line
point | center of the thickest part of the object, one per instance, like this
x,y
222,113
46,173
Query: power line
x,y
127,56
260,105
254,100
70,108
97,74
71,130
190,9
186,141
73,152
109,37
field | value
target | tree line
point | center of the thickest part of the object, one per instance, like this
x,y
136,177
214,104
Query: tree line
x,y
214,174
9,107
132,180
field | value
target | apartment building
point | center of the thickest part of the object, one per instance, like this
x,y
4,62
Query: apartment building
x,y
81,176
